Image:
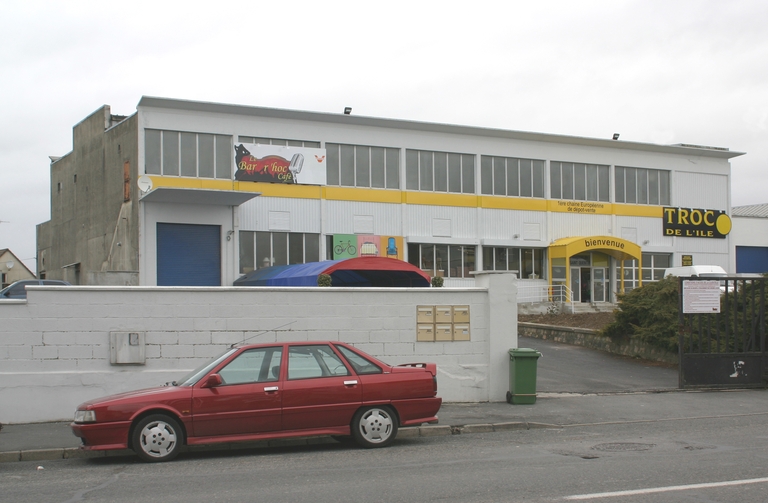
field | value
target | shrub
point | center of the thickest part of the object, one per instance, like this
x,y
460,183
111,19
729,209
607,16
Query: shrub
x,y
324,280
650,314
437,282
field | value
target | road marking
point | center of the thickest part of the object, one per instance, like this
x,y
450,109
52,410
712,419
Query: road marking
x,y
653,490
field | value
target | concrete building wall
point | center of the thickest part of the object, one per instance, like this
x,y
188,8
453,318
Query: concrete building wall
x,y
92,237
55,346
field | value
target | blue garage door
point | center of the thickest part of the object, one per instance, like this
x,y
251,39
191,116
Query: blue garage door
x,y
751,259
188,255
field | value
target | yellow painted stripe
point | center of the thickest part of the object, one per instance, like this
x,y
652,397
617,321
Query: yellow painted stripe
x,y
638,210
441,199
513,203
330,193
364,195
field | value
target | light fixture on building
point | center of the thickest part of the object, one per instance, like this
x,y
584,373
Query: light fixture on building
x,y
347,110
615,136
515,236
645,242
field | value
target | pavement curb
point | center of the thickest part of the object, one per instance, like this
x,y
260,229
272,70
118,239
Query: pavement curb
x,y
408,432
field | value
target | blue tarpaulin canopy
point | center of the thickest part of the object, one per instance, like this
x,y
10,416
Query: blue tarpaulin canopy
x,y
361,271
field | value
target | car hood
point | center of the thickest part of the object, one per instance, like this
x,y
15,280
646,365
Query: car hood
x,y
159,393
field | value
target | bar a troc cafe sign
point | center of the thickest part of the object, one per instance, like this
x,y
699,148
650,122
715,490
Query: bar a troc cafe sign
x,y
696,223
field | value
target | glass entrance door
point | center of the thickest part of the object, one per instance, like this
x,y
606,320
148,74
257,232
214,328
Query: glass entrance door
x,y
576,284
598,284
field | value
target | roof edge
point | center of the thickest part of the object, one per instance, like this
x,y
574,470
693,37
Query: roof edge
x,y
358,120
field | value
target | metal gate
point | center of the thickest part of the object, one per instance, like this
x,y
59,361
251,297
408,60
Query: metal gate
x,y
725,349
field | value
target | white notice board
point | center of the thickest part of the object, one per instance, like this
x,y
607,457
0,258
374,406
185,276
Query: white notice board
x,y
701,296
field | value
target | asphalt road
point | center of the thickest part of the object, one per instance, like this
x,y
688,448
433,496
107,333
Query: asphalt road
x,y
715,459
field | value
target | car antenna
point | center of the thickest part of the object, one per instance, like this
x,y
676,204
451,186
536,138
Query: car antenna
x,y
263,332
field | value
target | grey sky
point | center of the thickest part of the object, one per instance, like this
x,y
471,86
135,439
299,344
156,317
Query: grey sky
x,y
689,71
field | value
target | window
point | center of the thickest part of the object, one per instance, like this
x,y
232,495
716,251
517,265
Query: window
x,y
450,261
360,364
254,365
579,182
314,361
642,186
265,249
281,142
362,166
174,153
528,262
506,176
439,171
654,265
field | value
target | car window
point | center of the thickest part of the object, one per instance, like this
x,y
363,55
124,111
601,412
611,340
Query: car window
x,y
360,364
193,377
253,365
314,361
19,290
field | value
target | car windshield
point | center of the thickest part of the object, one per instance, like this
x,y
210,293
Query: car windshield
x,y
197,374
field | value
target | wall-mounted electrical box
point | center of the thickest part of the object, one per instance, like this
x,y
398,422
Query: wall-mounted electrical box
x,y
127,348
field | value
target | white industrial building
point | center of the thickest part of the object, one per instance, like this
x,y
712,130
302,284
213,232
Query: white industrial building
x,y
196,193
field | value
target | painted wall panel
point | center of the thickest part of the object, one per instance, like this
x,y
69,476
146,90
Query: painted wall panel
x,y
303,214
700,190
572,225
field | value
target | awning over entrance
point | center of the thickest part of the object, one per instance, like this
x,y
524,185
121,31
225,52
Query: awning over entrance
x,y
561,251
618,248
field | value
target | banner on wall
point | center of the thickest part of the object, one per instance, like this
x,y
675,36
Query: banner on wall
x,y
279,164
360,245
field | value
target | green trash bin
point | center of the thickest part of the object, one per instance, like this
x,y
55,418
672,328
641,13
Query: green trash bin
x,y
522,375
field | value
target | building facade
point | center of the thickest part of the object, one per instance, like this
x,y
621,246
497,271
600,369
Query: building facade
x,y
750,237
195,193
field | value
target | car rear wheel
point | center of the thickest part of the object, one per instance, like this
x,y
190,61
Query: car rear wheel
x,y
374,427
157,438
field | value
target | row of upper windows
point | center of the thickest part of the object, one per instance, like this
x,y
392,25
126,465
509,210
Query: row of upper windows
x,y
174,153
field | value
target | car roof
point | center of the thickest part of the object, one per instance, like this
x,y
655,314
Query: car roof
x,y
290,343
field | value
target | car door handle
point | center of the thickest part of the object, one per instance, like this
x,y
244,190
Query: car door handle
x,y
350,383
270,388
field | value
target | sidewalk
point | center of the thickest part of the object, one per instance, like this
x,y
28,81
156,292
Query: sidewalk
x,y
47,441
576,387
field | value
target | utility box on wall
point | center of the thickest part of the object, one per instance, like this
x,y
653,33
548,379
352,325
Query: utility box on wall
x,y
127,348
442,323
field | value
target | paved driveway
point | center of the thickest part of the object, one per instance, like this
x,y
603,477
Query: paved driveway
x,y
564,368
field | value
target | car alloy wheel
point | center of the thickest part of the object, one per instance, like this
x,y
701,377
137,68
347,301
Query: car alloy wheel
x,y
157,438
374,427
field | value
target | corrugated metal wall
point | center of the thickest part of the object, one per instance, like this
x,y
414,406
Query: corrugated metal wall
x,y
303,214
699,190
340,217
572,225
421,221
503,225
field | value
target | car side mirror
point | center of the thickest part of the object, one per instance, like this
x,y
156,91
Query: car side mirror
x,y
213,381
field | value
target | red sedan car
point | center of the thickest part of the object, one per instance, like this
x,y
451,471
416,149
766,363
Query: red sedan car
x,y
266,391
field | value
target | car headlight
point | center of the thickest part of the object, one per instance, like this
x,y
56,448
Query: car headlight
x,y
85,416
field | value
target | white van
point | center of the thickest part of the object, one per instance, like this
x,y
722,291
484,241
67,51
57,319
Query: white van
x,y
701,271
697,271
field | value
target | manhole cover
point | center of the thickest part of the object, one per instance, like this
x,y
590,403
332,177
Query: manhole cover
x,y
622,447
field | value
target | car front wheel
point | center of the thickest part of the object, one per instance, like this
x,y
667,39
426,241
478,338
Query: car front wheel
x,y
374,427
157,438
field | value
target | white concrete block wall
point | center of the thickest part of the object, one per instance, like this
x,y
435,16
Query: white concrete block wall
x,y
54,348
